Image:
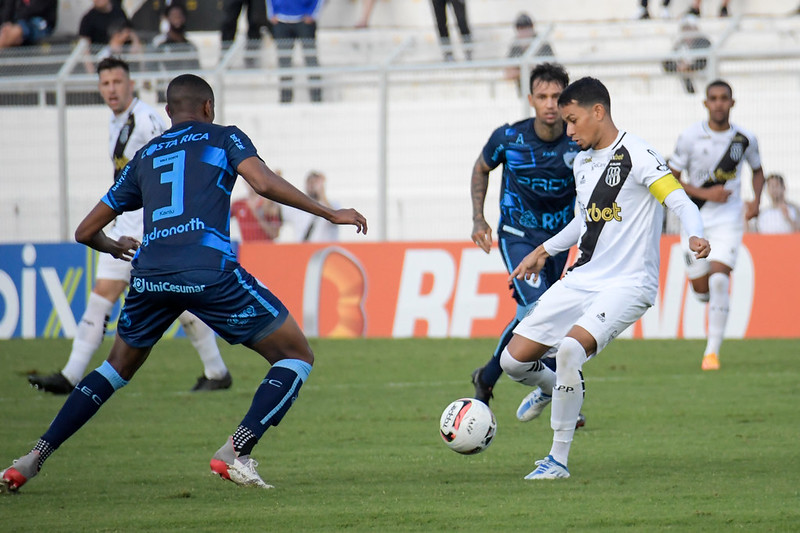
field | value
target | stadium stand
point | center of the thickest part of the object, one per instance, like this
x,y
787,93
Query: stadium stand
x,y
398,130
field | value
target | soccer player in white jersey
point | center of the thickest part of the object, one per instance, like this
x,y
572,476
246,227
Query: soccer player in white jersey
x,y
132,124
708,159
621,184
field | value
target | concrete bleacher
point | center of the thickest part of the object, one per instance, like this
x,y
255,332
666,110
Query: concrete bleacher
x,y
438,115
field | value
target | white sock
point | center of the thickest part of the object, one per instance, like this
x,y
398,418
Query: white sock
x,y
205,342
532,373
88,338
718,305
567,397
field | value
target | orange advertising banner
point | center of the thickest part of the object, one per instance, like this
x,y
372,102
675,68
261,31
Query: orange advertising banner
x,y
453,289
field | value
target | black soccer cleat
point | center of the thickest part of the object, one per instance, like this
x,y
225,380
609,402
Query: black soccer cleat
x,y
54,383
204,384
483,392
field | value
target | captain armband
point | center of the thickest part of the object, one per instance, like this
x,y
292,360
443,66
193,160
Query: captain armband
x,y
663,186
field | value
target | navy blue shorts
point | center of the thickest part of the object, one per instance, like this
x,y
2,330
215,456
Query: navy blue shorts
x,y
234,304
514,249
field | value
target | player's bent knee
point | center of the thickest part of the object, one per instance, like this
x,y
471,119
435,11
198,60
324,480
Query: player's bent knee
x,y
701,296
570,356
516,370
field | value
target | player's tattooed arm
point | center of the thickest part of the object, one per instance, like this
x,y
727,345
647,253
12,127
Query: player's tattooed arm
x,y
481,231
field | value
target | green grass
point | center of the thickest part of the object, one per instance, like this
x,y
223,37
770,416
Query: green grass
x,y
666,446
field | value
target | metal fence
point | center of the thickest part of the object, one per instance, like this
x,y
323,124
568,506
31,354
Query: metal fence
x,y
398,128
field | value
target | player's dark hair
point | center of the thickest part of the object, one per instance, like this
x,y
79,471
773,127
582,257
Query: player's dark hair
x,y
777,177
113,62
549,72
188,92
586,92
720,83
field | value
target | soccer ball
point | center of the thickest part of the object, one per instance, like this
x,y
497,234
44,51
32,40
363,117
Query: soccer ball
x,y
467,426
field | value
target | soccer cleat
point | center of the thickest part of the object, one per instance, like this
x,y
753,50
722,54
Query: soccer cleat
x,y
549,468
710,362
54,383
532,405
203,383
16,475
483,392
227,464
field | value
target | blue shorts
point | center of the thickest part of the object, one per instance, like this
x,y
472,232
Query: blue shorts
x,y
34,30
514,249
234,304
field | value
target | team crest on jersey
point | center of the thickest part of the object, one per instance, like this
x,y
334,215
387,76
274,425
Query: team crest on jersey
x,y
124,133
569,158
613,176
737,151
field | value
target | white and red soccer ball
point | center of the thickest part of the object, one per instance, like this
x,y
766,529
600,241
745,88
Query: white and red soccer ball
x,y
467,426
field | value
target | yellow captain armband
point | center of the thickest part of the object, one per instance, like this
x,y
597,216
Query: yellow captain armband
x,y
663,186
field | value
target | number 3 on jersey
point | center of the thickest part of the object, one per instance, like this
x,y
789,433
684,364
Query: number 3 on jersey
x,y
174,177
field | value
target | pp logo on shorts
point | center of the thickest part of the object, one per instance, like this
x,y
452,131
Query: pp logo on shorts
x,y
138,284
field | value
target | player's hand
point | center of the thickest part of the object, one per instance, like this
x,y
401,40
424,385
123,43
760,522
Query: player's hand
x,y
750,210
700,247
717,193
124,248
350,216
482,235
531,265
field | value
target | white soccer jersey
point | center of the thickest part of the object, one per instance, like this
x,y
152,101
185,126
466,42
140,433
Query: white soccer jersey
x,y
621,219
706,157
126,134
130,131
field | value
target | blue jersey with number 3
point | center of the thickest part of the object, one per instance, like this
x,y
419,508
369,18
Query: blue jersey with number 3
x,y
183,179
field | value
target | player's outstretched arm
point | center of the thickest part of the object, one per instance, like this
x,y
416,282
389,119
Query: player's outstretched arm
x,y
481,231
269,185
90,233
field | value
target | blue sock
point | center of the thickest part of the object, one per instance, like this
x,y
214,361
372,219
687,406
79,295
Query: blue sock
x,y
83,402
275,396
492,371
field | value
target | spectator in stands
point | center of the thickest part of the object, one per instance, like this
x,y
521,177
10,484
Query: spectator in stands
x,y
695,8
460,11
122,40
259,218
296,20
687,64
174,40
256,19
97,22
307,228
525,34
363,22
26,22
643,12
781,216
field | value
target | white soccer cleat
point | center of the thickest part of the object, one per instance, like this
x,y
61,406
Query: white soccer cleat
x,y
532,405
239,469
549,468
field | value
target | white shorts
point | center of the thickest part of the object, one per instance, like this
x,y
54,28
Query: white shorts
x,y
725,242
604,314
108,267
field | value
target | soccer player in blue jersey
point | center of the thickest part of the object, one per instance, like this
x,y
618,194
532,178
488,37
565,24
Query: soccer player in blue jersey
x,y
183,180
537,199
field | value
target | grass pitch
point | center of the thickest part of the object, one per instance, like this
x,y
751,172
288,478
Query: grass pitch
x,y
666,446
